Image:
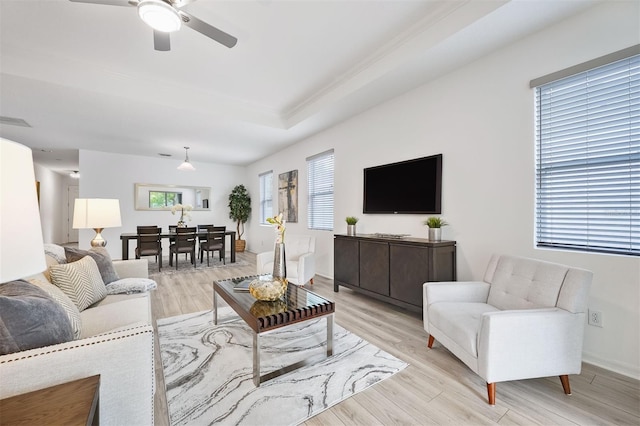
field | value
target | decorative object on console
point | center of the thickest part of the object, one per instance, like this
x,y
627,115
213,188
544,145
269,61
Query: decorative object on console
x,y
184,213
186,164
96,214
21,252
351,225
239,211
435,223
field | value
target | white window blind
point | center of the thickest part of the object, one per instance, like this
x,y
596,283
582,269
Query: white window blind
x,y
588,160
266,196
320,185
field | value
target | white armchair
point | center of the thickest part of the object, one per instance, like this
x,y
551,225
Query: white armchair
x,y
524,320
300,260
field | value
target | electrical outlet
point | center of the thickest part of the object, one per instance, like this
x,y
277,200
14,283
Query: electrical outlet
x,y
595,318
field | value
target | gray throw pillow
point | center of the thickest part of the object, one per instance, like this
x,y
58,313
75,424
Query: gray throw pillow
x,y
102,258
30,318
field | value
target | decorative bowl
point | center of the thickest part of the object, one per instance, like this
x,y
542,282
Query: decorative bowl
x,y
268,289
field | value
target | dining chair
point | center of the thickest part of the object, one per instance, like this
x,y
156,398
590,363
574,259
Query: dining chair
x,y
214,241
202,236
185,242
149,243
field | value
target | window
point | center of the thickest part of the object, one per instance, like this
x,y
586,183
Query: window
x,y
320,185
588,158
159,199
266,196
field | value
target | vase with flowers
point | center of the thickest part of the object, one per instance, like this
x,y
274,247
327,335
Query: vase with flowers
x,y
274,288
184,210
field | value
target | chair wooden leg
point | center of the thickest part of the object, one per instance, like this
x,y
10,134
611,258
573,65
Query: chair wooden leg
x,y
491,390
430,343
565,384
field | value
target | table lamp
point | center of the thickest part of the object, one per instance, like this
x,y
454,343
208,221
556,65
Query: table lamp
x,y
21,244
96,214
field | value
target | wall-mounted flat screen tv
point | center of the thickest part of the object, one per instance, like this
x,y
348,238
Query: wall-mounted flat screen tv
x,y
407,187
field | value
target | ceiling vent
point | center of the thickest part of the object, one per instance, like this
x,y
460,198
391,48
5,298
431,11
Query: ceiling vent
x,y
13,121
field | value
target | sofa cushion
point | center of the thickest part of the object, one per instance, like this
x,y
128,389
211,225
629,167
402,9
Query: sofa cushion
x,y
460,321
102,258
131,285
30,318
81,281
107,317
520,283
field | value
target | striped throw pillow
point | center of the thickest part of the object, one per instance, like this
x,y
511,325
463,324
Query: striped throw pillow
x,y
81,281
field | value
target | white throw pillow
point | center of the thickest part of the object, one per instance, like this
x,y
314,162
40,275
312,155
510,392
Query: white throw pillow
x,y
131,285
81,281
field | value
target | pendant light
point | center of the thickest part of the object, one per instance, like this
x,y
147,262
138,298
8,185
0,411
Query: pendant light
x,y
186,165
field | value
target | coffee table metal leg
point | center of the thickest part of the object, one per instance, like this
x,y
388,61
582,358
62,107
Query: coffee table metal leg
x,y
329,335
215,308
256,359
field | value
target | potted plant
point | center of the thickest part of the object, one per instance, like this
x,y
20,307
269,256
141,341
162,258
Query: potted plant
x,y
435,223
239,211
351,225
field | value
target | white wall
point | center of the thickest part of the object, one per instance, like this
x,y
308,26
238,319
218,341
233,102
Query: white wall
x,y
52,198
107,175
481,118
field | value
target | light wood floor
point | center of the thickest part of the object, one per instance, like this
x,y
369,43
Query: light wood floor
x,y
436,388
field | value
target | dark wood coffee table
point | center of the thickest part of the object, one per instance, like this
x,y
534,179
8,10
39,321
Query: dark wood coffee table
x,y
298,305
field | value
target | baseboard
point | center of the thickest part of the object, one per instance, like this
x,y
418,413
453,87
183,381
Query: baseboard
x,y
628,370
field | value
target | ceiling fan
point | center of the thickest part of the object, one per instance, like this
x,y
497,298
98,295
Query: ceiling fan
x,y
165,17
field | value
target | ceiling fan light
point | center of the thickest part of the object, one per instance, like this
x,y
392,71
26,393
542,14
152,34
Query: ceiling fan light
x,y
159,15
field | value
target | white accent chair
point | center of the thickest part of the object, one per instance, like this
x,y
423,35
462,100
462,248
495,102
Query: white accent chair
x,y
300,259
524,320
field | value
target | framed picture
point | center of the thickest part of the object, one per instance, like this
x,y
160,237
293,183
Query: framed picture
x,y
288,195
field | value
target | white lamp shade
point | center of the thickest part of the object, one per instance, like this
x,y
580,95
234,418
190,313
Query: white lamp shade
x,y
21,244
93,213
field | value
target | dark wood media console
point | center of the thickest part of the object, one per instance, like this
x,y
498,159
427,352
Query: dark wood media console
x,y
392,269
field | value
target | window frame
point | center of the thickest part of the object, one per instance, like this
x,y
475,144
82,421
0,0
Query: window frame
x,y
266,196
321,191
587,181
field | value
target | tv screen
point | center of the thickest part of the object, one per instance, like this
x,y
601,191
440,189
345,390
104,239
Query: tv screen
x,y
410,187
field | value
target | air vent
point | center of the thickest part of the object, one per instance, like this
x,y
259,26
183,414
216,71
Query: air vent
x,y
164,155
13,121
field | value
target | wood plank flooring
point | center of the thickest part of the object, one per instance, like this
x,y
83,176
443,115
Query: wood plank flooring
x,y
436,388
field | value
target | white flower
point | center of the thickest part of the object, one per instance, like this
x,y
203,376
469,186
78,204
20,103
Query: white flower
x,y
183,209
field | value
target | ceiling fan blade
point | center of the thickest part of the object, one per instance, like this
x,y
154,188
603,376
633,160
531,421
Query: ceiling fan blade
x,y
161,41
107,2
208,30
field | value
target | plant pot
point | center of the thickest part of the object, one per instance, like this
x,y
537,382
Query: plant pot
x,y
351,230
240,246
435,234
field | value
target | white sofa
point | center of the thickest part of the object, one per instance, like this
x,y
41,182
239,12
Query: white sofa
x,y
524,320
117,342
300,259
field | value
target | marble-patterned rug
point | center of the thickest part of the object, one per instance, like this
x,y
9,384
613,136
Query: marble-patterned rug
x,y
208,370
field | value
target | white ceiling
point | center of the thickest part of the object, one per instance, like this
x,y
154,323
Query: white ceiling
x,y
86,76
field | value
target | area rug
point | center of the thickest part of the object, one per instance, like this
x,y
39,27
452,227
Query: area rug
x,y
185,265
208,370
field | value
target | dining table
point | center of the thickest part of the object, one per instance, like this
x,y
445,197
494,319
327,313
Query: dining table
x,y
126,237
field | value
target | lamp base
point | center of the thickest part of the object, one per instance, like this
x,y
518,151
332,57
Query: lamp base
x,y
98,241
